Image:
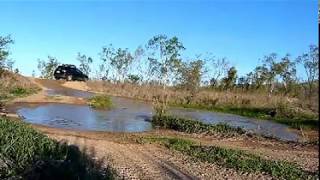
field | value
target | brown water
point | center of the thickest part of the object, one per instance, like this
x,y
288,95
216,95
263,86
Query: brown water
x,y
132,116
85,118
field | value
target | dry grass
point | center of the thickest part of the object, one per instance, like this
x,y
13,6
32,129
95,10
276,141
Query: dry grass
x,y
205,96
253,104
15,85
10,80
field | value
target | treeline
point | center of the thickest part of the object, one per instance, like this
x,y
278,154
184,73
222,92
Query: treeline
x,y
159,62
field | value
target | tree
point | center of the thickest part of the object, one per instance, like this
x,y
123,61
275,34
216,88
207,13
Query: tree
x,y
229,81
47,68
33,73
190,75
84,63
271,71
134,79
310,62
139,63
16,71
259,76
219,67
164,57
287,72
118,59
244,82
4,52
9,64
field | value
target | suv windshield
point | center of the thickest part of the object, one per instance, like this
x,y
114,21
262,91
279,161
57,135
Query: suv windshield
x,y
78,71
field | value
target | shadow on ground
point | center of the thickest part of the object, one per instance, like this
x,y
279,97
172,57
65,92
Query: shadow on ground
x,y
76,165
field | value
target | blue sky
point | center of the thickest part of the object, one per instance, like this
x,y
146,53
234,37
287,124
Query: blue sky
x,y
243,31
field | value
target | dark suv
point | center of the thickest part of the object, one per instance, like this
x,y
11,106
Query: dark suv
x,y
70,73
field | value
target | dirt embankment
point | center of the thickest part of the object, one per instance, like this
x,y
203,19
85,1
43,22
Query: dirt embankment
x,y
44,95
82,86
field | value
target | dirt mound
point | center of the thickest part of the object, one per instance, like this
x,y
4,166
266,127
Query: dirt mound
x,y
9,80
76,85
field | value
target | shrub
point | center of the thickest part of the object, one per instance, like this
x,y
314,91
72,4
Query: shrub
x,y
19,91
193,126
100,102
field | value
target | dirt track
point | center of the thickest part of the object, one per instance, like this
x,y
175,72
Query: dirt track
x,y
147,161
143,161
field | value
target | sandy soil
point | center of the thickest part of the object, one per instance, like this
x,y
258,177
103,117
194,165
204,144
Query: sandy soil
x,y
42,96
147,161
143,161
76,85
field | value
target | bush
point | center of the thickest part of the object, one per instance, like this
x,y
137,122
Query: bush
x,y
100,102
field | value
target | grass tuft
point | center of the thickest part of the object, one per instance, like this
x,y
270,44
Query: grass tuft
x,y
193,126
100,102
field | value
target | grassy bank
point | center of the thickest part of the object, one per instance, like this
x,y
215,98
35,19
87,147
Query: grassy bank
x,y
230,158
100,102
292,119
193,126
27,154
296,112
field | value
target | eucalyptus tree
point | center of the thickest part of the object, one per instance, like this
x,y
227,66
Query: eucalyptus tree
x,y
259,76
164,57
245,81
287,71
310,62
218,67
133,78
138,67
118,59
229,81
271,71
5,41
85,62
48,67
190,75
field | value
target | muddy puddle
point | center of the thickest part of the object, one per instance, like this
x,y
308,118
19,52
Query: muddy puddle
x,y
130,115
85,118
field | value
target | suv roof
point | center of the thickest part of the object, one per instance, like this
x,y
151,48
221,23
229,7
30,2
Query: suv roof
x,y
68,65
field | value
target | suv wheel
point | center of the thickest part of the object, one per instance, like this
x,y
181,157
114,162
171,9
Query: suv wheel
x,y
69,78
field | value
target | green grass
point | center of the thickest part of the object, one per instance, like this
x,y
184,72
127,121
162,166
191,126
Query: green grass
x,y
230,158
100,102
193,126
28,154
293,120
9,94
